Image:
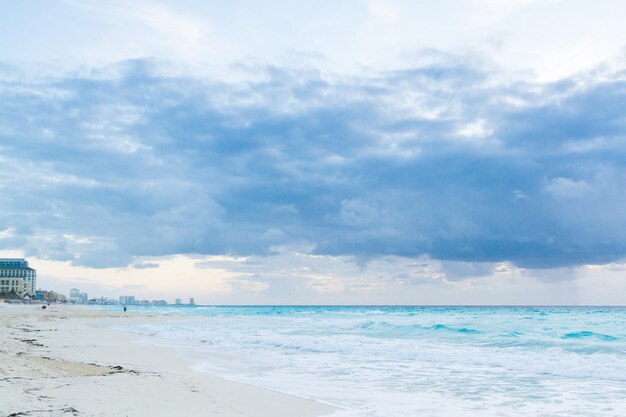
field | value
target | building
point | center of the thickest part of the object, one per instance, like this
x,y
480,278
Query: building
x,y
192,302
127,299
103,301
178,301
50,296
13,286
78,297
17,277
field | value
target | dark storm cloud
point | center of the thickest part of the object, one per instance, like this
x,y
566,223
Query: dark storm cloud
x,y
442,160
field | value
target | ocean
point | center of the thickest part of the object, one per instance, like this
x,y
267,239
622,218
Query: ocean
x,y
410,361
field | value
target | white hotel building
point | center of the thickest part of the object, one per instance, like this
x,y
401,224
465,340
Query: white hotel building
x,y
16,276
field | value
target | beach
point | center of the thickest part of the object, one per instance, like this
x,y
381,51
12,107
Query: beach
x,y
291,361
69,360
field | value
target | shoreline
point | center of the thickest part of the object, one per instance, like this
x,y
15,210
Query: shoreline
x,y
68,360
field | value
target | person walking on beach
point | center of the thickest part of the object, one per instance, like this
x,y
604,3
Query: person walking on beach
x,y
124,309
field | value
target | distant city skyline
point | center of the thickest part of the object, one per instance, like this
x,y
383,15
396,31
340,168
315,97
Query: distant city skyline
x,y
361,152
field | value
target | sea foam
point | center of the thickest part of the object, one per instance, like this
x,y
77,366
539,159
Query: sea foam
x,y
408,361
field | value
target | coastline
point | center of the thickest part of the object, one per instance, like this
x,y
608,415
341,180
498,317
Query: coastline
x,y
68,360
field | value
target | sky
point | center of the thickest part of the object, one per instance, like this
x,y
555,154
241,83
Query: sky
x,y
280,152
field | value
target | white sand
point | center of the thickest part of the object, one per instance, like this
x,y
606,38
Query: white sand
x,y
64,361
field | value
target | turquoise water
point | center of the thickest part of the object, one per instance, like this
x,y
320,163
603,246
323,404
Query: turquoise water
x,y
416,361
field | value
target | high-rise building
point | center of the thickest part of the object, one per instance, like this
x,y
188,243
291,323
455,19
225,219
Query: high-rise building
x,y
178,301
78,297
16,276
192,302
127,299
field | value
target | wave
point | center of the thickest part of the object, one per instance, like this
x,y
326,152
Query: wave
x,y
587,334
454,329
389,329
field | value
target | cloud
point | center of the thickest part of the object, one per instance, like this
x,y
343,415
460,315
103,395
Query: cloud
x,y
145,265
567,188
444,160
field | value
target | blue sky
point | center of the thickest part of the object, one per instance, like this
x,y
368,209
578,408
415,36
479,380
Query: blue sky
x,y
457,152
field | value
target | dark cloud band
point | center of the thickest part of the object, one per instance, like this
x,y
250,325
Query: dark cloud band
x,y
439,160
